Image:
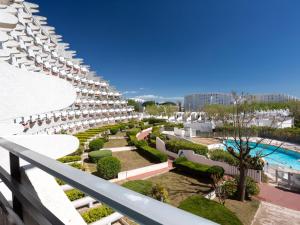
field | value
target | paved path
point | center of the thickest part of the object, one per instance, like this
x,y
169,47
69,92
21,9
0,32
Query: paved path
x,y
270,214
279,197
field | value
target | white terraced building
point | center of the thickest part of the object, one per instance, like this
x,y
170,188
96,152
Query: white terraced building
x,y
28,43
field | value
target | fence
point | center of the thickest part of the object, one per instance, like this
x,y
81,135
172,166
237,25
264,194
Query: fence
x,y
190,155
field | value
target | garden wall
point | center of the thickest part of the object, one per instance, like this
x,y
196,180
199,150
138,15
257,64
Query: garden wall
x,y
135,172
143,134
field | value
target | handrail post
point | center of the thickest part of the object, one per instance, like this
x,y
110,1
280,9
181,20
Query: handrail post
x,y
15,173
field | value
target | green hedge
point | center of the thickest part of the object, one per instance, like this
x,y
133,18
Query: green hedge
x,y
133,131
196,169
114,130
210,210
94,214
94,156
108,167
152,153
74,194
67,159
252,188
176,145
144,149
96,144
141,186
223,156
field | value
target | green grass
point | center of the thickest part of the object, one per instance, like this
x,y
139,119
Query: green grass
x,y
209,209
245,211
131,160
141,186
116,143
181,186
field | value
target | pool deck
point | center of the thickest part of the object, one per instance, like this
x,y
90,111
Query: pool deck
x,y
280,197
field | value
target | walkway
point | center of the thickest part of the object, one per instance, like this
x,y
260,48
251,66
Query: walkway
x,y
276,215
279,197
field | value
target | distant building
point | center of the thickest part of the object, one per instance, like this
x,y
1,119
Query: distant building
x,y
272,98
196,102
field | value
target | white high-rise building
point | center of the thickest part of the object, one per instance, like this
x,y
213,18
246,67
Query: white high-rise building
x,y
28,43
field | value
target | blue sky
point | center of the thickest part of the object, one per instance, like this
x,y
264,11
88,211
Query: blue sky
x,y
168,48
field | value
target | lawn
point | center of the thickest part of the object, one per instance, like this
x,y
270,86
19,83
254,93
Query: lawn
x,y
115,143
131,160
181,186
245,211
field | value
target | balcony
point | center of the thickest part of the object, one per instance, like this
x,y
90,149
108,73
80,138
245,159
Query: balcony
x,y
140,208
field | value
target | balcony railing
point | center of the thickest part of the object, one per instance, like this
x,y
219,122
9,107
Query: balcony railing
x,y
140,208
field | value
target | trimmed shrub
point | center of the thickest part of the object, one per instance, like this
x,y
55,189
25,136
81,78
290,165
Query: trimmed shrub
x,y
94,156
108,167
175,145
141,186
209,209
114,130
96,144
197,169
74,194
216,171
133,131
223,156
189,167
94,214
70,158
152,153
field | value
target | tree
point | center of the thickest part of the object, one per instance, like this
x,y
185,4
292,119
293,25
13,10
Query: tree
x,y
237,136
135,104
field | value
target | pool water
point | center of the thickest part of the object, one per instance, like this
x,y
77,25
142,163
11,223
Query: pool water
x,y
281,157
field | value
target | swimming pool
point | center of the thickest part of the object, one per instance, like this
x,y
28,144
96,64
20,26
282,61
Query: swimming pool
x,y
281,157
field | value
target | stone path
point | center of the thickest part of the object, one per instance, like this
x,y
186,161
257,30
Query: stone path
x,y
270,214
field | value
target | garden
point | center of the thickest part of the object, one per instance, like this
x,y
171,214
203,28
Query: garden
x,y
186,186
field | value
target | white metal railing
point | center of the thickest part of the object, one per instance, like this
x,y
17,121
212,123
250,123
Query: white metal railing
x,y
140,208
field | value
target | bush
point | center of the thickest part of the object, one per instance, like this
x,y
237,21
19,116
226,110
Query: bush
x,y
94,156
60,181
216,171
74,194
197,169
152,153
143,187
223,156
175,145
160,193
252,188
96,144
153,120
133,131
70,158
114,130
230,188
95,214
76,165
108,167
209,209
